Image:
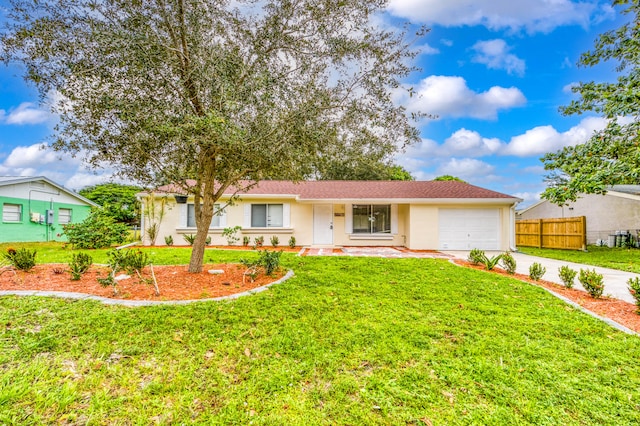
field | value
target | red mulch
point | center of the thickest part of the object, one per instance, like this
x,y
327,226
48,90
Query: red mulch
x,y
622,312
174,282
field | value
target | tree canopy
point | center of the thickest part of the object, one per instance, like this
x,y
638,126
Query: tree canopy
x,y
117,200
222,92
448,178
611,156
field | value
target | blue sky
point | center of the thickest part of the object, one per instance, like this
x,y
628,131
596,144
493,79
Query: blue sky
x,y
493,71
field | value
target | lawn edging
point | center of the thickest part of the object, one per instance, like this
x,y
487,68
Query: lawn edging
x,y
138,303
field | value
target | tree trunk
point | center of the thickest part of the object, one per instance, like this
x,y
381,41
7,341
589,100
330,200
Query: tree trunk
x,y
197,252
203,208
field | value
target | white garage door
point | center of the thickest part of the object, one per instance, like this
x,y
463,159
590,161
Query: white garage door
x,y
466,229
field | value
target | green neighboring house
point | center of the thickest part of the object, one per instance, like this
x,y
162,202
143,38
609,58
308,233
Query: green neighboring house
x,y
36,208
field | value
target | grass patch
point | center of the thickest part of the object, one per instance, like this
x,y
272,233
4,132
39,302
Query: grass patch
x,y
623,259
346,341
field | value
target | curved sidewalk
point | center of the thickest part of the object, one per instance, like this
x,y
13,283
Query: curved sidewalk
x,y
615,281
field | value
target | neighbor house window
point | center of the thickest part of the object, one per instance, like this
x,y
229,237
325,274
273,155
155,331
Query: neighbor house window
x,y
215,221
64,216
371,219
267,216
12,212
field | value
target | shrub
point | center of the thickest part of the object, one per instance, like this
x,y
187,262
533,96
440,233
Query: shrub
x,y
509,263
476,256
567,275
292,242
134,261
207,241
98,230
168,240
270,261
231,235
22,258
592,282
79,264
189,238
258,241
634,289
490,263
275,240
536,271
129,261
246,240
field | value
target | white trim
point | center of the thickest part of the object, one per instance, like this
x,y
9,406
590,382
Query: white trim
x,y
348,218
385,237
394,219
286,215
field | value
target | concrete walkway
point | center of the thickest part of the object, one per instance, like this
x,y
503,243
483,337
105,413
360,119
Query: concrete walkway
x,y
615,281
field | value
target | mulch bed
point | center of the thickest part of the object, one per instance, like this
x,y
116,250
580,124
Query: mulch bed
x,y
622,312
174,282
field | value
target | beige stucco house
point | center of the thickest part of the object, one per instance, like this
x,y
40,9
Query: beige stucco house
x,y
420,215
618,210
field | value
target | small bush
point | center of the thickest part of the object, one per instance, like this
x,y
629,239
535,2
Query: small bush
x,y
509,263
22,258
275,240
189,238
98,230
246,240
79,264
634,289
168,240
270,261
207,241
592,282
490,263
258,241
231,234
476,256
134,261
536,271
292,242
567,275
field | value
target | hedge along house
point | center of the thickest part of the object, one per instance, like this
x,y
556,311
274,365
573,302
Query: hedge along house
x,y
36,208
419,215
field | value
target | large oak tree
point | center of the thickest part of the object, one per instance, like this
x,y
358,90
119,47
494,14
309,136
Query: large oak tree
x,y
611,156
222,92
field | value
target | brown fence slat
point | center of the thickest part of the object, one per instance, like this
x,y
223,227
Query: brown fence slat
x,y
559,233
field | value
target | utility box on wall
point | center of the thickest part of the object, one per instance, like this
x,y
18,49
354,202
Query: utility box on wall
x,y
49,217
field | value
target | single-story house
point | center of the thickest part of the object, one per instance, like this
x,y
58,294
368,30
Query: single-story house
x,y
35,208
419,215
617,210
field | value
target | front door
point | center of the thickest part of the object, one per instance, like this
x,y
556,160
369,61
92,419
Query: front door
x,y
323,224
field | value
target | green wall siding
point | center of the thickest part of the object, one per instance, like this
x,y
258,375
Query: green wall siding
x,y
27,231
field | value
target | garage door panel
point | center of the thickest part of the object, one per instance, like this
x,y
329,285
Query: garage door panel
x,y
465,229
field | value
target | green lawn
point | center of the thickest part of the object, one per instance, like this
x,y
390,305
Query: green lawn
x,y
355,341
623,259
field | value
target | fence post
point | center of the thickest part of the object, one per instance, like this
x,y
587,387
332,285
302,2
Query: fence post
x,y
539,233
583,226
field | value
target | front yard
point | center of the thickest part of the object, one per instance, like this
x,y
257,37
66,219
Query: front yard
x,y
346,341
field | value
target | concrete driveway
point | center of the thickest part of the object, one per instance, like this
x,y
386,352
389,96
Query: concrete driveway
x,y
615,281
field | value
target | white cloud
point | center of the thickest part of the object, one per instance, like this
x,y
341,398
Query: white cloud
x,y
426,49
446,96
446,42
466,168
568,88
543,139
25,113
471,144
533,16
495,55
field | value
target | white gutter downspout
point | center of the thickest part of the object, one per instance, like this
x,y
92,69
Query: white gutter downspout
x,y
512,227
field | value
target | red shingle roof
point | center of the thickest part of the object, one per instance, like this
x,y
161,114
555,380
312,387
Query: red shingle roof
x,y
383,190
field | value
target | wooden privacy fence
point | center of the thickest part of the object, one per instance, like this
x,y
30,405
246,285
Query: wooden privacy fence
x,y
561,233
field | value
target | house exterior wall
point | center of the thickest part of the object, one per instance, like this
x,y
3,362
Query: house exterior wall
x,y
414,226
36,200
605,214
423,225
